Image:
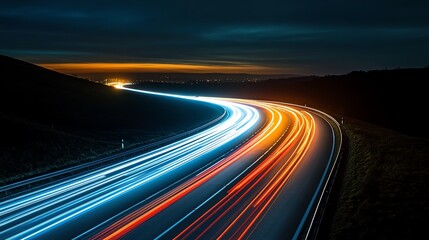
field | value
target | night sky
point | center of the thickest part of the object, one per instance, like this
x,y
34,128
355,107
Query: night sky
x,y
304,37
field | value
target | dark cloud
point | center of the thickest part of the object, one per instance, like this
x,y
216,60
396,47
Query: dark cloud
x,y
329,36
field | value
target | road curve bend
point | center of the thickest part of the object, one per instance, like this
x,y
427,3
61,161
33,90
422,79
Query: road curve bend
x,y
257,174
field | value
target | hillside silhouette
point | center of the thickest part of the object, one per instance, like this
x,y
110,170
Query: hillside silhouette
x,y
49,120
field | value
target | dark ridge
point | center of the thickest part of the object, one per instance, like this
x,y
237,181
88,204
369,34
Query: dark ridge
x,y
48,119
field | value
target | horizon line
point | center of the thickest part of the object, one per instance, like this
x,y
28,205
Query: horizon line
x,y
112,67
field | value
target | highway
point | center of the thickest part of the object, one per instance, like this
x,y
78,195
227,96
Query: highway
x,y
258,174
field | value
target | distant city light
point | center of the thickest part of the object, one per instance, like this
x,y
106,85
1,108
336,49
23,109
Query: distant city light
x,y
116,82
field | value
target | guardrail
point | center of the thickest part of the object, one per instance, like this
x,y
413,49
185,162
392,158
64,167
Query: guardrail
x,y
85,166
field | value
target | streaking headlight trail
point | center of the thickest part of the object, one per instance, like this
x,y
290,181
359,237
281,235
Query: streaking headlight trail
x,y
227,181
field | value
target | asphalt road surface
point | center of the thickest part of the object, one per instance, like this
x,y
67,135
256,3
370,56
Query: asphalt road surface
x,y
257,174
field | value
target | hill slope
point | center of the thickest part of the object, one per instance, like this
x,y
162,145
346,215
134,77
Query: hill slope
x,y
50,120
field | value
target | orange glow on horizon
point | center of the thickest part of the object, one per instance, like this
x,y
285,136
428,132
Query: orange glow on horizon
x,y
159,67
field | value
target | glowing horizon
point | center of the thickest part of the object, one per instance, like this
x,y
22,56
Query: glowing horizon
x,y
159,67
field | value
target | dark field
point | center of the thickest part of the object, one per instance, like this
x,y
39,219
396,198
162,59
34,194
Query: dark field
x,y
49,120
383,193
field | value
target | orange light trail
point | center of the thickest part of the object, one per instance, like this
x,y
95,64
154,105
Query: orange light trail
x,y
269,192
285,138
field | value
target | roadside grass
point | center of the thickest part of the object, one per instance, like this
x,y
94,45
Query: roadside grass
x,y
384,192
39,149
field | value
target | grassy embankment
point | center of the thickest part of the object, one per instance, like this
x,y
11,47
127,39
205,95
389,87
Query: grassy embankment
x,y
383,193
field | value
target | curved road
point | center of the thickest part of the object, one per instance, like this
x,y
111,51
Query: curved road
x,y
258,174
